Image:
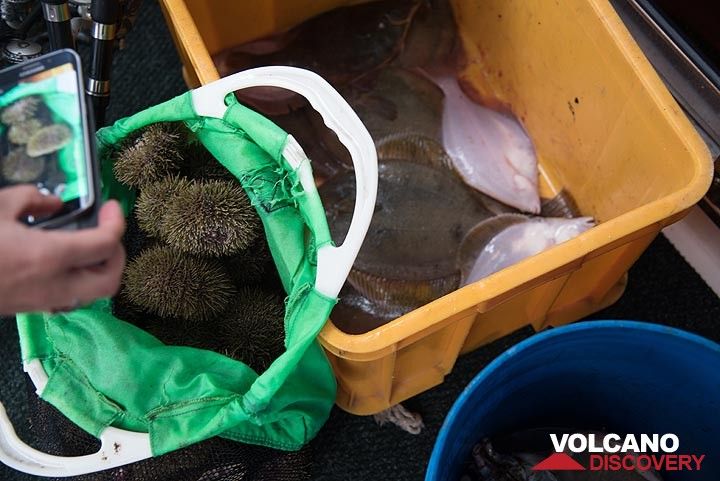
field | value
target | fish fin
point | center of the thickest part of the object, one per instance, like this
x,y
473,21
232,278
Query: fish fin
x,y
562,205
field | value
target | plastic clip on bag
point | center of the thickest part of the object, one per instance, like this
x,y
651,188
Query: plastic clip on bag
x,y
143,398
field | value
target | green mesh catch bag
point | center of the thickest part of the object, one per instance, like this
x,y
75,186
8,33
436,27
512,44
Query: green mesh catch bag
x,y
143,398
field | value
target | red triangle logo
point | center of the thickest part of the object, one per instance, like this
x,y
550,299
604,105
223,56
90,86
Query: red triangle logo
x,y
558,462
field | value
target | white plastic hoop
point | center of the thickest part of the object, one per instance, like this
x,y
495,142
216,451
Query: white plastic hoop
x,y
117,447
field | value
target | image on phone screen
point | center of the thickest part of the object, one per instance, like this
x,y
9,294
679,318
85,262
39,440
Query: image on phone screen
x,y
42,139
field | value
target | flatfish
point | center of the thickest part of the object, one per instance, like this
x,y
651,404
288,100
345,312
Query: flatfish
x,y
491,150
502,241
421,215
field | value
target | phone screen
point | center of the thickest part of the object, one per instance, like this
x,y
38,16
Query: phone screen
x,y
42,132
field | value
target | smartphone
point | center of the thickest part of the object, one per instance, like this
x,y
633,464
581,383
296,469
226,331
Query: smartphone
x,y
47,137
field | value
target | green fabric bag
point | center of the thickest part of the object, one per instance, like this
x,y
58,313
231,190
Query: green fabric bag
x,y
105,373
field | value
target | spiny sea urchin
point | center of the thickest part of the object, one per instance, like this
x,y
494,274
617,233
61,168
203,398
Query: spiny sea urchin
x,y
21,110
18,167
21,132
48,140
211,218
153,200
172,284
151,154
252,330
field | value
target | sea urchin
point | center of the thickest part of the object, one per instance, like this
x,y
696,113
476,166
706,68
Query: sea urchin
x,y
48,139
150,155
21,132
153,200
211,218
171,284
21,110
18,167
252,330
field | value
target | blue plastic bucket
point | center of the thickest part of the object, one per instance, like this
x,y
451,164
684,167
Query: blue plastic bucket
x,y
629,377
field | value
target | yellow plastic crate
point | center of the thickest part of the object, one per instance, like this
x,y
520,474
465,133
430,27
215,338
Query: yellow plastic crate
x,y
604,126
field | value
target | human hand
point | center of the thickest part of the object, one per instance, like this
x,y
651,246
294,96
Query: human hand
x,y
50,270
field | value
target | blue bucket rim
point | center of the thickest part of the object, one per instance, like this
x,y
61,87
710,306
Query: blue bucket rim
x,y
442,437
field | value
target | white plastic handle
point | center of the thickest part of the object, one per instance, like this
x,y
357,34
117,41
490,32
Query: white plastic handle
x,y
334,263
117,447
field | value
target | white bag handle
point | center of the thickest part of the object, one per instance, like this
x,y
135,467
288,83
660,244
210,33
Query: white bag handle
x,y
120,447
334,263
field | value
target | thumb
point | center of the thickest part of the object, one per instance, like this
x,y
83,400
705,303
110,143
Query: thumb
x,y
22,200
111,218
